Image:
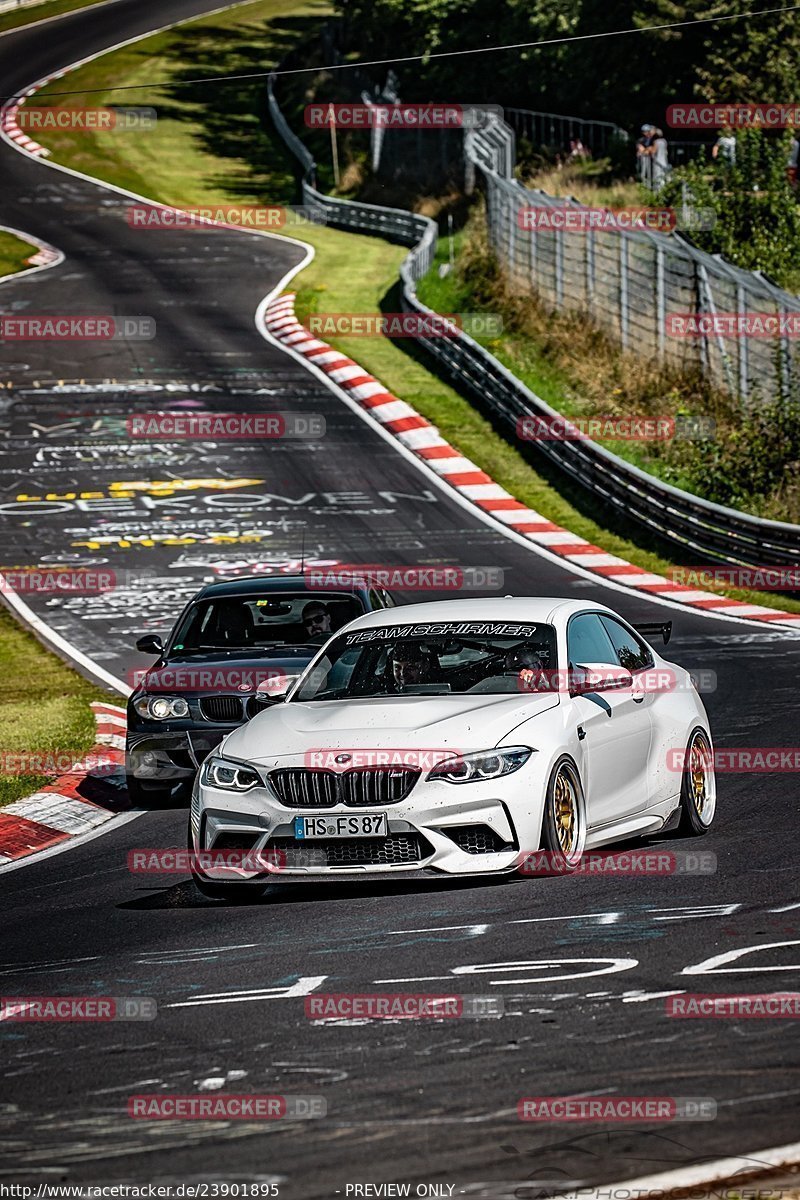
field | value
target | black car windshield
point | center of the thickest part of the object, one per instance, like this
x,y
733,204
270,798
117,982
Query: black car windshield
x,y
432,660
258,622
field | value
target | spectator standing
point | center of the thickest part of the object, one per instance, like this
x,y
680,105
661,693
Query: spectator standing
x,y
725,146
661,167
644,154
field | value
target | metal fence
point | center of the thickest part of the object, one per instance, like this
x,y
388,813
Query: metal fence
x,y
555,131
633,284
687,521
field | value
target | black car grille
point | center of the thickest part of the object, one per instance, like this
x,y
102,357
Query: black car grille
x,y
235,841
306,788
221,708
396,850
476,839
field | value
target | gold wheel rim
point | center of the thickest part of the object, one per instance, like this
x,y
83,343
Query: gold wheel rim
x,y
565,812
698,778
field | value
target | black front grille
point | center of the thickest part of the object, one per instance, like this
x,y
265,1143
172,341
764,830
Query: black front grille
x,y
476,839
236,841
396,850
222,708
306,788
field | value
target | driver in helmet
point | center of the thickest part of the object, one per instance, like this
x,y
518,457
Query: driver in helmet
x,y
409,664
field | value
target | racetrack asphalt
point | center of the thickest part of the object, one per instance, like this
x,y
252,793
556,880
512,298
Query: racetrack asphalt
x,y
416,1101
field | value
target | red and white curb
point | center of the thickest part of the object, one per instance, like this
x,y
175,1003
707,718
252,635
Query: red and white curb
x,y
417,434
9,114
63,810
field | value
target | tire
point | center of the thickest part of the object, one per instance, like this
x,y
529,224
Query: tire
x,y
564,822
145,797
698,786
233,893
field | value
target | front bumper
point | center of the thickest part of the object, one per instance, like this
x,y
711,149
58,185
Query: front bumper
x,y
480,828
171,756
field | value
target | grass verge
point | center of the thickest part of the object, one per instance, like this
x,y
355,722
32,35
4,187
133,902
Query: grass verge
x,y
44,706
213,143
14,253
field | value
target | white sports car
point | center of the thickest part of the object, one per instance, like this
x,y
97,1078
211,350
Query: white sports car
x,y
457,738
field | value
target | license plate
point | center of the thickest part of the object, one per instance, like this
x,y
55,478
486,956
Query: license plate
x,y
360,826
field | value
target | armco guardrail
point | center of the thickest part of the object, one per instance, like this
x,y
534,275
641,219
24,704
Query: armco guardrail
x,y
688,521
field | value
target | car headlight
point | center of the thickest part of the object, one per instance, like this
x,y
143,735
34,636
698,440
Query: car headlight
x,y
484,764
230,776
161,708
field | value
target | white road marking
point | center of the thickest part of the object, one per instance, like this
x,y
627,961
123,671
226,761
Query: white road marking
x,y
609,966
305,985
712,966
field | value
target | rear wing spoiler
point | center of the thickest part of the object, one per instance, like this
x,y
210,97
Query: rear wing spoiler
x,y
655,629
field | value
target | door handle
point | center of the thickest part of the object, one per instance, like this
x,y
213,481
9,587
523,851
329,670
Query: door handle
x,y
637,699
581,733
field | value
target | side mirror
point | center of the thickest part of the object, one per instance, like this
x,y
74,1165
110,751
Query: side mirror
x,y
150,644
271,691
598,677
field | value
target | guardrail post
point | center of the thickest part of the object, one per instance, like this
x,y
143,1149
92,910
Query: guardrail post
x,y
710,307
743,347
589,262
559,264
623,291
661,301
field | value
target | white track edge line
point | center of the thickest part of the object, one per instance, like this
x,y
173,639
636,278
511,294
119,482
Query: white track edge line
x,y
721,1169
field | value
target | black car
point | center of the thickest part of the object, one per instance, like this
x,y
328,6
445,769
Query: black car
x,y
236,646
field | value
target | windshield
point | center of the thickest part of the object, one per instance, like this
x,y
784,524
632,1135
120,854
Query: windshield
x,y
256,622
431,660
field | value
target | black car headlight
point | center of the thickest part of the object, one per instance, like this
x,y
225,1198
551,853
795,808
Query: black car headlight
x,y
161,708
482,765
230,776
